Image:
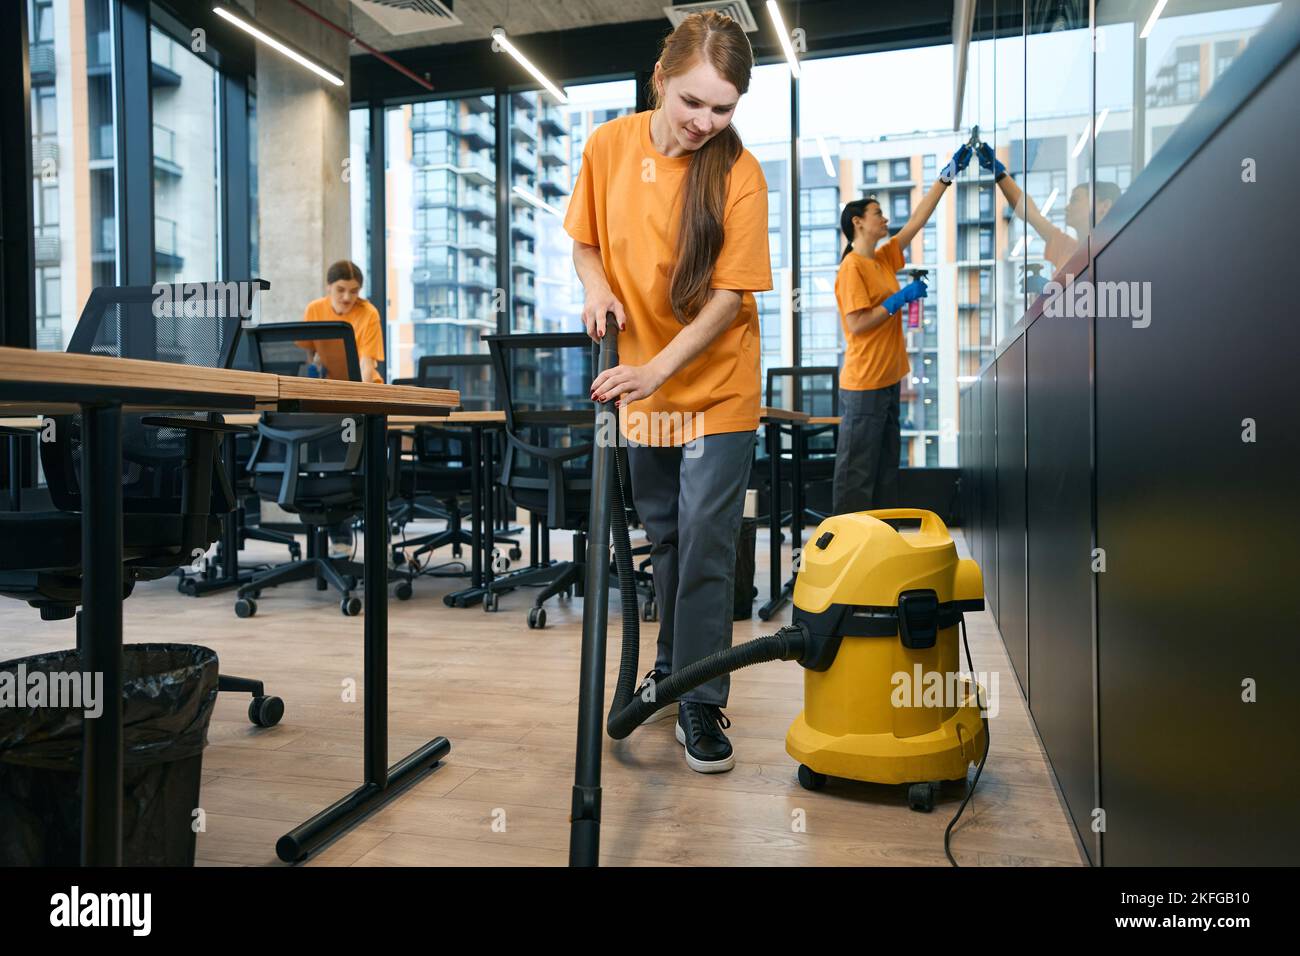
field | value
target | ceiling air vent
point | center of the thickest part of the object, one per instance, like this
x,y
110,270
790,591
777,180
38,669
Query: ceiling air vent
x,y
738,10
409,16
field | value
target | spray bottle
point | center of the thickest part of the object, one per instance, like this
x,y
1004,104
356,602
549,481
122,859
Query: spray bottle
x,y
914,307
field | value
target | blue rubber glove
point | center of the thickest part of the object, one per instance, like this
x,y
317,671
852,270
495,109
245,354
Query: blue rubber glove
x,y
990,162
909,293
955,165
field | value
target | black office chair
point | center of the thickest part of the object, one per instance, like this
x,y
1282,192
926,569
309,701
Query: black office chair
x,y
545,380
174,488
814,390
310,465
441,466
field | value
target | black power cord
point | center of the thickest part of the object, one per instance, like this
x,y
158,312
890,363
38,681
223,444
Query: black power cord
x,y
970,791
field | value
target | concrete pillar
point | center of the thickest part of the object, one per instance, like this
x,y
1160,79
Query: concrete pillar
x,y
302,142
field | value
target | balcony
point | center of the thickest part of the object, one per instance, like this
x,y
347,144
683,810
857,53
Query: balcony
x,y
475,127
523,259
45,246
524,226
523,126
45,154
41,58
479,240
476,201
99,52
162,61
103,143
551,152
524,156
164,151
477,169
166,246
552,121
555,181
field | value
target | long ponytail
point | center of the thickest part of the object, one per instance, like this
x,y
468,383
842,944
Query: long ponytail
x,y
722,43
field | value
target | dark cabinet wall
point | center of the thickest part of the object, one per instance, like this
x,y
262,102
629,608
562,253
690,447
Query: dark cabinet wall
x,y
1058,502
1133,442
1201,528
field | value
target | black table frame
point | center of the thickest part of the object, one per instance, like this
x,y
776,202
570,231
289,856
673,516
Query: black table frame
x,y
100,638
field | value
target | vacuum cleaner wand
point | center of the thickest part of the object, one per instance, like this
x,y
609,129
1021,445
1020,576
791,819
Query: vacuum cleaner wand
x,y
584,817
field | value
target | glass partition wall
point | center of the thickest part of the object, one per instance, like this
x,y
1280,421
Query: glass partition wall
x,y
1074,99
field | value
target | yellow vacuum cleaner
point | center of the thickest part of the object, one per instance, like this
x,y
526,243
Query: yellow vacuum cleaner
x,y
876,613
883,698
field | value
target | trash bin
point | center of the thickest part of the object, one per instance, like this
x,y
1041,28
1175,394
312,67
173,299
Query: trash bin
x,y
169,692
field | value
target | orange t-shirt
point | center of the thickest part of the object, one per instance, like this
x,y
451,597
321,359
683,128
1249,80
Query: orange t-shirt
x,y
627,202
876,358
366,329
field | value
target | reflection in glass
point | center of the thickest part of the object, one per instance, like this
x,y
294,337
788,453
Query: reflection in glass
x,y
187,237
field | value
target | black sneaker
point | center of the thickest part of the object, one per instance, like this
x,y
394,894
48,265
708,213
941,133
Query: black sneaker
x,y
699,729
668,710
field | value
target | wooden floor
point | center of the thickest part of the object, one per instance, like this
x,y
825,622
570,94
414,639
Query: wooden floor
x,y
506,697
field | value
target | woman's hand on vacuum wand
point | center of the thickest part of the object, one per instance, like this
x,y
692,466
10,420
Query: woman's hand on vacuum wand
x,y
628,383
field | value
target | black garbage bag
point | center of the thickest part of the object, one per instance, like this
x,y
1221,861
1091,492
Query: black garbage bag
x,y
169,692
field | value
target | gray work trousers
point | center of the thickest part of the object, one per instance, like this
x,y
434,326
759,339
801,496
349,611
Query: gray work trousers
x,y
867,450
691,507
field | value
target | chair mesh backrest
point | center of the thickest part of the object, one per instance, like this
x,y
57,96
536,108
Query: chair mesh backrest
x,y
812,389
273,348
191,324
472,376
546,381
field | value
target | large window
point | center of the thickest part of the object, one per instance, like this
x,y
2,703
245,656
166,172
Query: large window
x,y
763,121
73,161
441,229
546,143
186,178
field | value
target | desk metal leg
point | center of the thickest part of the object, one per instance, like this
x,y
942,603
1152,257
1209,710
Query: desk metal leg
x,y
777,596
382,783
100,640
477,489
490,518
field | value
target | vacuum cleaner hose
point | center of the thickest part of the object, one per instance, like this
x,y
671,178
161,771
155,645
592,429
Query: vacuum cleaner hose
x,y
629,710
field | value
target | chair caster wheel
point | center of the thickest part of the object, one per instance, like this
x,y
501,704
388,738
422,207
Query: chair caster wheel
x,y
515,554
920,796
245,607
350,606
404,591
448,600
650,610
490,601
810,779
186,586
265,711
536,618
295,553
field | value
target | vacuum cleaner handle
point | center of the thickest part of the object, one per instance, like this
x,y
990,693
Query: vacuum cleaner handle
x,y
931,523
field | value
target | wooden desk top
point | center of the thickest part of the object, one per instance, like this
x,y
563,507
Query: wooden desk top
x,y
328,395
136,382
21,422
824,420
141,384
